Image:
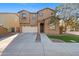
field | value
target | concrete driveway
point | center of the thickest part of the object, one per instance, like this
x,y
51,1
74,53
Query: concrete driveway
x,y
25,45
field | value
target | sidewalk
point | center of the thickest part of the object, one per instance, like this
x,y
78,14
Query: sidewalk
x,y
59,49
73,32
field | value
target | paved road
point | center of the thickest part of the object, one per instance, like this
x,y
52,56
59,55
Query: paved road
x,y
25,45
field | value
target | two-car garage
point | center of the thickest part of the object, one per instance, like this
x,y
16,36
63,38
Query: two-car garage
x,y
29,29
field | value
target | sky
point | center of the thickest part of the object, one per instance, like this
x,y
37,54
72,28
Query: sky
x,y
31,7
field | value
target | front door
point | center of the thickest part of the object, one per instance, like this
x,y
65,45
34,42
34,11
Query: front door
x,y
41,27
12,29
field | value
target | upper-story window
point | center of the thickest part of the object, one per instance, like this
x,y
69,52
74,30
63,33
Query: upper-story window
x,y
24,16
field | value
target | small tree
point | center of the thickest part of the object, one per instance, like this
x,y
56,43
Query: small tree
x,y
66,12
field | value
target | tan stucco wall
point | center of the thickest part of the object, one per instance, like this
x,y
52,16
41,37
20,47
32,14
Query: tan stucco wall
x,y
33,21
30,21
49,31
45,19
47,13
8,20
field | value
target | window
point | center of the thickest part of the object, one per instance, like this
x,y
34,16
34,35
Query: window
x,y
24,16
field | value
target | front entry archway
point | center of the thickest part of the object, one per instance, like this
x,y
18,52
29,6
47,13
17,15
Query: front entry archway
x,y
41,27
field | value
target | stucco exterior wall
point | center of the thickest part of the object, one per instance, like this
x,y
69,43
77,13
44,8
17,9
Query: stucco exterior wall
x,y
33,19
49,31
8,21
41,16
45,14
45,18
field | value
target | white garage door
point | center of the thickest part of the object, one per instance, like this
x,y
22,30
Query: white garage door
x,y
29,29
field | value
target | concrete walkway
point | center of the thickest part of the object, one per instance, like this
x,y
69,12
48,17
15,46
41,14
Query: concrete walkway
x,y
73,32
25,45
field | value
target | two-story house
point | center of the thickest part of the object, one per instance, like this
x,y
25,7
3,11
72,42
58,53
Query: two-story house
x,y
43,21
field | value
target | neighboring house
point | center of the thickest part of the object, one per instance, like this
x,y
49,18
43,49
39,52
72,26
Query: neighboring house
x,y
10,21
25,21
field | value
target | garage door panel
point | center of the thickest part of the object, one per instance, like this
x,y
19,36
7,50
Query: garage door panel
x,y
29,29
